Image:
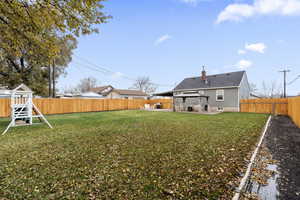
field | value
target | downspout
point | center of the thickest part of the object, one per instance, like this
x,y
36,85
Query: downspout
x,y
239,104
174,110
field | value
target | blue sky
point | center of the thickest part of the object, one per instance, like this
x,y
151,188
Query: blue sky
x,y
169,40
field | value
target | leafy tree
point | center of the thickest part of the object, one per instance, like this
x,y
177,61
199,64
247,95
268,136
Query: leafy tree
x,y
144,84
34,70
35,34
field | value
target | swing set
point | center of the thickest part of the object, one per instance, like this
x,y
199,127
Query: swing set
x,y
23,110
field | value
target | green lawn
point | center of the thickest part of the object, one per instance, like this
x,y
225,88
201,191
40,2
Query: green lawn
x,y
128,155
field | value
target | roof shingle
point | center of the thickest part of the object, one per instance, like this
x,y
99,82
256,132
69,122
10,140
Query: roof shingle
x,y
232,79
131,92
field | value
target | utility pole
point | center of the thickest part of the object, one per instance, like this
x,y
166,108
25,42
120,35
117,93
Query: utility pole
x,y
284,80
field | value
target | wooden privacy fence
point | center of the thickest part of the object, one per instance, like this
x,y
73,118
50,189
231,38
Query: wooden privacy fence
x,y
290,107
271,106
61,106
294,109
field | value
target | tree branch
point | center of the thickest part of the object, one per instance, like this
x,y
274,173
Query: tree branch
x,y
11,61
3,74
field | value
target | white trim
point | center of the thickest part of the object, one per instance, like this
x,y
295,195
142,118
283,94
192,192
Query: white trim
x,y
223,94
187,95
238,99
248,171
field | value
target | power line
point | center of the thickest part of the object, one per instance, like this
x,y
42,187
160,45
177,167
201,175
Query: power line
x,y
102,69
294,80
78,67
106,71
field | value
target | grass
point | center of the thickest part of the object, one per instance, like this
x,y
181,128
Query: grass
x,y
128,155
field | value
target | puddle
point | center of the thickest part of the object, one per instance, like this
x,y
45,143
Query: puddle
x,y
267,191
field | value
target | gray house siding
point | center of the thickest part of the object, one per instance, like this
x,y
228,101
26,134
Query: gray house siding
x,y
230,102
244,92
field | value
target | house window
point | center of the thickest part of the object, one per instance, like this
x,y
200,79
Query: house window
x,y
220,95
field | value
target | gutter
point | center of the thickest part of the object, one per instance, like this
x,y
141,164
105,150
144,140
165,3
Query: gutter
x,y
250,165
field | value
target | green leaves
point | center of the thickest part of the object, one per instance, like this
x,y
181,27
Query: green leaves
x,y
42,32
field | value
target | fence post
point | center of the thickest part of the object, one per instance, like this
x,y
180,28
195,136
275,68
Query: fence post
x,y
273,108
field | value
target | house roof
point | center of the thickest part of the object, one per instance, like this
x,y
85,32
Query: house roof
x,y
91,94
232,79
100,90
130,92
255,95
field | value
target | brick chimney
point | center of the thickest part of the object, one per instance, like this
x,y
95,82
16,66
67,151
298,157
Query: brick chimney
x,y
203,74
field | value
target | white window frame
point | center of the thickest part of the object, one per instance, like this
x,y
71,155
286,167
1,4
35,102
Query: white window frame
x,y
220,92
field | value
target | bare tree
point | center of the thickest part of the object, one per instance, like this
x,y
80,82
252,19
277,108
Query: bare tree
x,y
253,88
87,84
144,84
271,90
71,90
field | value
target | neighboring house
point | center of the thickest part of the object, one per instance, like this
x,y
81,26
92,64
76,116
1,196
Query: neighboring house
x,y
255,96
109,92
126,94
102,90
220,92
90,95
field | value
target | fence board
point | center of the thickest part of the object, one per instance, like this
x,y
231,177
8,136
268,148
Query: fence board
x,y
294,109
62,106
269,106
290,107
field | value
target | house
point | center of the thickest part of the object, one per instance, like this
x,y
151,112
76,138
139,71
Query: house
x,y
126,94
255,96
219,92
110,92
102,90
90,95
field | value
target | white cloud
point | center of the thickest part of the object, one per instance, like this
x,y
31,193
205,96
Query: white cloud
x,y
244,64
240,11
241,52
117,75
256,47
162,39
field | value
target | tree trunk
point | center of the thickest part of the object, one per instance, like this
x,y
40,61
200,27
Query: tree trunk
x,y
49,78
53,79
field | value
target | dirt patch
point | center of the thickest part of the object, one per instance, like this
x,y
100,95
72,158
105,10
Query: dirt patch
x,y
283,142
